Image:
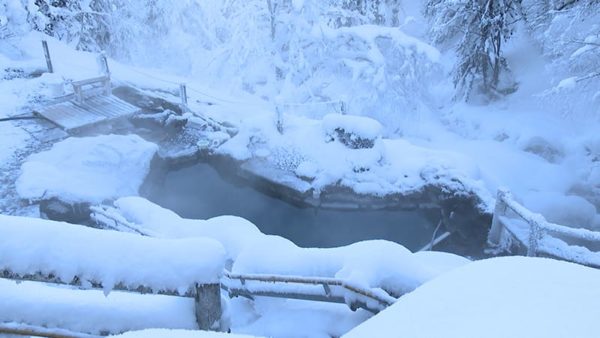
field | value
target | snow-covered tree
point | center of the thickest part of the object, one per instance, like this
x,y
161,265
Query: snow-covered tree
x,y
568,34
480,28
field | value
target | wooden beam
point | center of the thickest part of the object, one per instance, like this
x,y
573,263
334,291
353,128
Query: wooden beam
x,y
47,55
208,307
39,331
183,97
495,233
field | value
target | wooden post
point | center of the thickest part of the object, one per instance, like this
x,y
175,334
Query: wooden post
x,y
208,306
534,236
183,97
343,108
77,90
103,63
47,55
495,233
279,122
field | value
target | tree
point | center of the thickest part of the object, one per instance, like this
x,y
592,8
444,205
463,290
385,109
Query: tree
x,y
481,27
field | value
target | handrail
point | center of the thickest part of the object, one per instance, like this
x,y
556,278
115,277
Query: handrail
x,y
90,81
384,300
526,215
538,227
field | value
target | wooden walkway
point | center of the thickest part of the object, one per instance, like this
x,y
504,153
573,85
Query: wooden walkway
x,y
91,103
72,115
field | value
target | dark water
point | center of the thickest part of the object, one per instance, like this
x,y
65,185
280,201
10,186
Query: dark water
x,y
200,192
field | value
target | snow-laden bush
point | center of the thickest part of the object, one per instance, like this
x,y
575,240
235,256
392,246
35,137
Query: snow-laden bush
x,y
13,18
296,51
568,32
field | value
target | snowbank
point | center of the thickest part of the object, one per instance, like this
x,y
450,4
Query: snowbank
x,y
166,333
29,245
374,264
90,310
502,297
89,169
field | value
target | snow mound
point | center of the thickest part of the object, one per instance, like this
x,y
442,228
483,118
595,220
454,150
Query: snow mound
x,y
501,297
360,126
109,257
89,169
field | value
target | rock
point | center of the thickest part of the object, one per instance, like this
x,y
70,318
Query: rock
x,y
58,210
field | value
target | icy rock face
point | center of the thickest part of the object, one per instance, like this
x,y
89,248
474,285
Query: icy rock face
x,y
88,169
355,132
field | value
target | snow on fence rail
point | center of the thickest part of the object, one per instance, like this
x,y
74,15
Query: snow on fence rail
x,y
47,251
307,288
540,237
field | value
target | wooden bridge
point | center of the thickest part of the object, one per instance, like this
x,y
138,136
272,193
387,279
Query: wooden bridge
x,y
518,230
90,103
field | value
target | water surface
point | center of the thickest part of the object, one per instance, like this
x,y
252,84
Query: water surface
x,y
200,192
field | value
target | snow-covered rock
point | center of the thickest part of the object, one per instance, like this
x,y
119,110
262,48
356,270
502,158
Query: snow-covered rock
x,y
353,131
87,169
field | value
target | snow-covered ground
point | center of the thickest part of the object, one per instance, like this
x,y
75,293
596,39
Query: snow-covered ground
x,y
283,78
501,297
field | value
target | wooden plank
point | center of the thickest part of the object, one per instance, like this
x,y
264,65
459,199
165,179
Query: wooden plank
x,y
73,115
89,81
39,331
68,115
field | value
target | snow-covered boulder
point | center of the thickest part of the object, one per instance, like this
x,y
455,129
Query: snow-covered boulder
x,y
88,169
353,131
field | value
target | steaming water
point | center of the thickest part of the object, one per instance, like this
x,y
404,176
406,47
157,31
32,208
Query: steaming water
x,y
200,192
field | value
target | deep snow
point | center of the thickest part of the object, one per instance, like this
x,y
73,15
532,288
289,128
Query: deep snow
x,y
501,297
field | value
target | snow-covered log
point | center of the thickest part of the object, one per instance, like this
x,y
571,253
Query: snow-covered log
x,y
41,250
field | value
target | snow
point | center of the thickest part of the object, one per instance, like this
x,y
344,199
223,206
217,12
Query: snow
x,y
107,257
360,126
166,333
501,297
541,141
89,169
92,311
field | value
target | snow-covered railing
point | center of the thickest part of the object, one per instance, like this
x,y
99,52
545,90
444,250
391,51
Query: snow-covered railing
x,y
46,251
307,288
540,237
103,81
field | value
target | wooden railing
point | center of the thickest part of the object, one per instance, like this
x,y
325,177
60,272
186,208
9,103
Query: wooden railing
x,y
103,81
542,237
315,288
